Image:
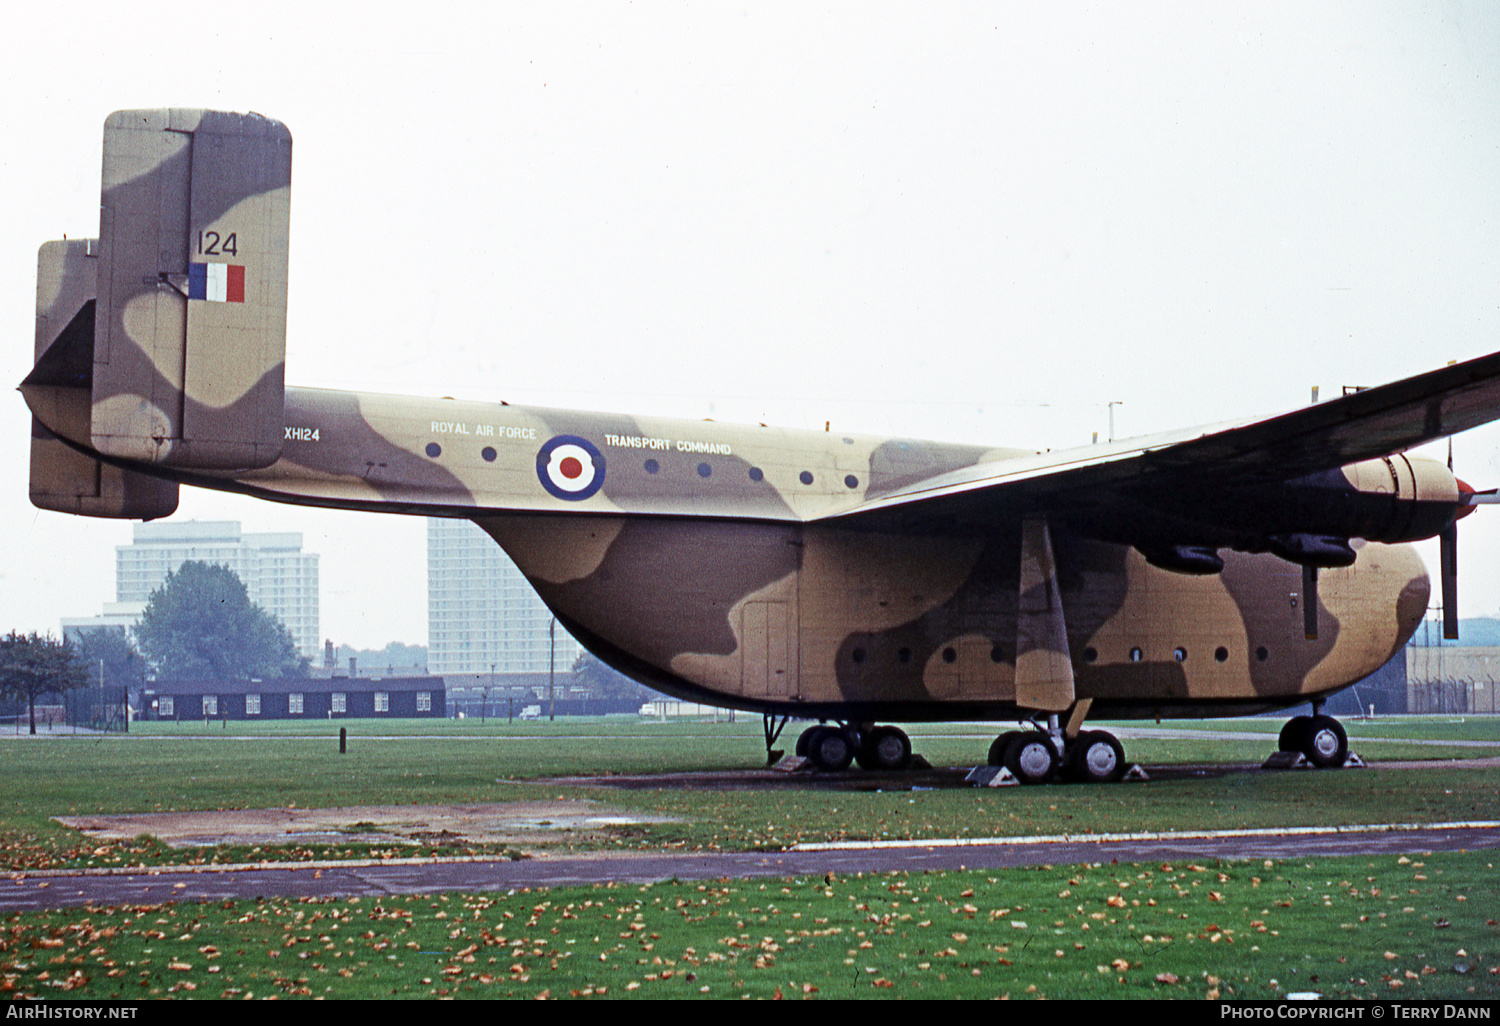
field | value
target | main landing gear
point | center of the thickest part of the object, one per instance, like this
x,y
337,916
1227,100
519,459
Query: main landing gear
x,y
1320,738
1037,756
1033,756
832,747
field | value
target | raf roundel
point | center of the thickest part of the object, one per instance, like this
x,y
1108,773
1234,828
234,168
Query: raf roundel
x,y
570,467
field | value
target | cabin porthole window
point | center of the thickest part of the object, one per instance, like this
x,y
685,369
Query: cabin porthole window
x,y
950,655
1221,654
652,466
1136,655
757,475
1090,654
434,450
1180,654
805,477
1261,654
488,453
704,470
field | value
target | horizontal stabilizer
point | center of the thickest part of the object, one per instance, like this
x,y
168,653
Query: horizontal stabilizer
x,y
63,477
65,480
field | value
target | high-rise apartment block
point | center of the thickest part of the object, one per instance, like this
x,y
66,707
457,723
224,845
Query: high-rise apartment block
x,y
280,577
483,616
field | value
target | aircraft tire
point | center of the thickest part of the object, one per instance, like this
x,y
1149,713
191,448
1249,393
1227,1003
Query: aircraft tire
x,y
830,749
1031,757
805,738
1294,735
1097,757
999,745
885,748
1327,743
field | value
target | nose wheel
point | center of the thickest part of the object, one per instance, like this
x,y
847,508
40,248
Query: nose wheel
x,y
1320,738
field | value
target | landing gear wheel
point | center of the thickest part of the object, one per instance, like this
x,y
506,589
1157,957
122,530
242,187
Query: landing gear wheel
x,y
1096,757
1031,757
830,749
885,748
1327,744
1294,735
805,737
999,745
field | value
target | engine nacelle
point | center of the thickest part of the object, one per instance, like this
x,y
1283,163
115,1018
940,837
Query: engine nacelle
x,y
1402,498
1307,520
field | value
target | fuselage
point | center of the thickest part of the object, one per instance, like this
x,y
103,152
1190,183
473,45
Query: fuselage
x,y
450,457
700,558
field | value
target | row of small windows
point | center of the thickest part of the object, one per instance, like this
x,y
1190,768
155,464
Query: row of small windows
x,y
1090,654
166,705
653,466
1180,654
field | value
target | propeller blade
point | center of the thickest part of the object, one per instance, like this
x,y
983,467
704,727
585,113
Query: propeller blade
x,y
1448,558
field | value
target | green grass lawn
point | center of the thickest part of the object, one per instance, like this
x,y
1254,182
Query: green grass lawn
x,y
1412,927
178,767
1419,927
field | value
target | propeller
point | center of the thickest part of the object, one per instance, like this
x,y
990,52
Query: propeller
x,y
1448,560
1468,498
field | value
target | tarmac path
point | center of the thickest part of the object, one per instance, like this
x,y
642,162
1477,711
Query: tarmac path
x,y
56,889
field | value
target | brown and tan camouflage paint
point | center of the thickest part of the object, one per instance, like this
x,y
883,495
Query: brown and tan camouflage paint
x,y
720,587
62,478
842,576
185,382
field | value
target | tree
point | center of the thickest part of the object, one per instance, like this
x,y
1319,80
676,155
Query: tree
x,y
33,665
395,656
605,681
123,665
201,625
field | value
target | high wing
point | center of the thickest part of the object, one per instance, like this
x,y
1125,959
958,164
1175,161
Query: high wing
x,y
1364,425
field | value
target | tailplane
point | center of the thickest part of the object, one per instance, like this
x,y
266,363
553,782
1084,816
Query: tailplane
x,y
163,342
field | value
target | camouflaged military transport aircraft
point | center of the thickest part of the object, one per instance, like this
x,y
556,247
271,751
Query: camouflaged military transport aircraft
x,y
846,579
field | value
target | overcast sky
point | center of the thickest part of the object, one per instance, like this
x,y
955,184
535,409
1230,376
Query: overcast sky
x,y
964,222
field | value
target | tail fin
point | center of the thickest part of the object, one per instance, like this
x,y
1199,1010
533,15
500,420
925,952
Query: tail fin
x,y
190,323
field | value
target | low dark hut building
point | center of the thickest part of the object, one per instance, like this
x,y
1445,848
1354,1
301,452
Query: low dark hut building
x,y
295,699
